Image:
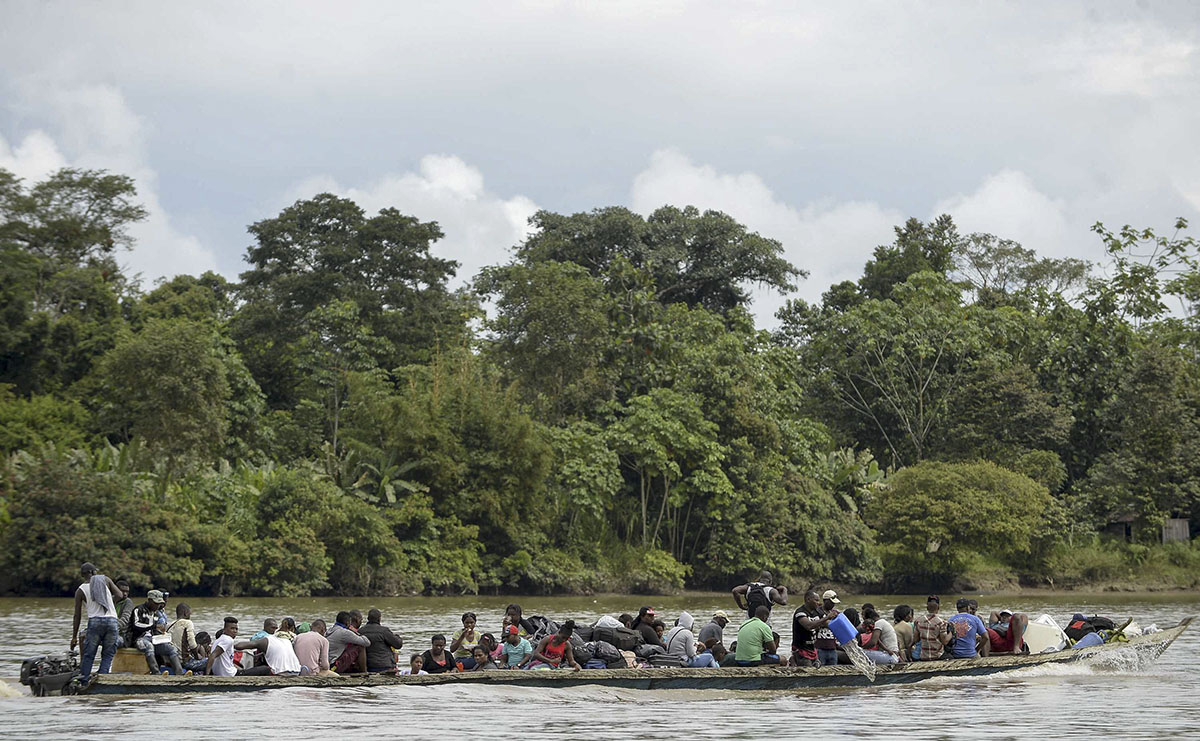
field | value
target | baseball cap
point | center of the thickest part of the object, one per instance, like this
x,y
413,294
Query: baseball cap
x,y
1006,612
512,630
720,614
649,611
155,596
831,596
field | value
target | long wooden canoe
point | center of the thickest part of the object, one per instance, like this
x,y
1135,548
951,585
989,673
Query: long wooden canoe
x,y
1145,648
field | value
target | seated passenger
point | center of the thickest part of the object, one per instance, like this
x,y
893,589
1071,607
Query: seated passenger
x,y
1006,632
183,636
483,662
970,634
415,662
515,652
644,624
714,632
220,659
513,616
554,651
347,649
933,632
312,649
487,642
756,643
437,660
464,641
681,644
902,618
279,656
124,614
719,653
380,654
287,629
879,637
626,619
148,628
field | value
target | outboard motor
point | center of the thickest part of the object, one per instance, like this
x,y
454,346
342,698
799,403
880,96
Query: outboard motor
x,y
45,675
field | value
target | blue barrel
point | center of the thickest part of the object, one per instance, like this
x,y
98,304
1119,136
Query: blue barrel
x,y
1091,639
843,630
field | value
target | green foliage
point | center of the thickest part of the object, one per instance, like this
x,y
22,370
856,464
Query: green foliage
x,y
933,516
29,423
167,384
62,515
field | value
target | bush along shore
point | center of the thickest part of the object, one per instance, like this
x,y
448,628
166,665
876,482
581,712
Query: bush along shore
x,y
597,411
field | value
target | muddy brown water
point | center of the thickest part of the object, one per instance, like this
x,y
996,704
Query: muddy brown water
x,y
1120,699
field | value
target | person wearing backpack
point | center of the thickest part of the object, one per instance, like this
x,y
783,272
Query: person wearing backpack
x,y
750,597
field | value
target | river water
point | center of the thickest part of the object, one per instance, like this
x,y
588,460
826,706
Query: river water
x,y
1157,701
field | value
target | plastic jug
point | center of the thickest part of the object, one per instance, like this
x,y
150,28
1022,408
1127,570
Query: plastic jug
x,y
1091,639
842,630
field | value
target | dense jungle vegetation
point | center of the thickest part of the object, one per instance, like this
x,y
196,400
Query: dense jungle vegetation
x,y
598,412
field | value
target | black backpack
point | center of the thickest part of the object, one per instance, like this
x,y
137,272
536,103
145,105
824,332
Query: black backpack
x,y
1099,622
622,637
757,594
1079,627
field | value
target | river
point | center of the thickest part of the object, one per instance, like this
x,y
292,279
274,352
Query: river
x,y
1158,701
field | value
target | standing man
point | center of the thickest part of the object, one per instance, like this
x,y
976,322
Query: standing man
x,y
148,628
96,593
750,597
808,619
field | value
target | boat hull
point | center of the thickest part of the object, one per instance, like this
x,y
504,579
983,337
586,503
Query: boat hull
x,y
735,678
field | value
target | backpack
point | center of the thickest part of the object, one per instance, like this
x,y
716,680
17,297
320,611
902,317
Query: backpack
x,y
623,638
582,653
608,653
1078,627
647,650
542,627
757,594
663,660
1099,622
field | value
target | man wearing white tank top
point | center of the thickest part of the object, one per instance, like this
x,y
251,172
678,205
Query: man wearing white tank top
x,y
279,654
96,593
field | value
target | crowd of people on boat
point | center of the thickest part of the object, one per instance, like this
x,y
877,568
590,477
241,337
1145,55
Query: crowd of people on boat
x,y
356,643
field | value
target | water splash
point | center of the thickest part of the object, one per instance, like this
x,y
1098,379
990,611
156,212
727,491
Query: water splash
x,y
859,659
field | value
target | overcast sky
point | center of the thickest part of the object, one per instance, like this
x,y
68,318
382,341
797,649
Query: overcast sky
x,y
821,125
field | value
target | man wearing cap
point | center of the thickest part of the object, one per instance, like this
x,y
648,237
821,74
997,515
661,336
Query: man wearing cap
x,y
808,622
516,651
148,629
1006,632
933,632
825,641
714,632
970,634
644,624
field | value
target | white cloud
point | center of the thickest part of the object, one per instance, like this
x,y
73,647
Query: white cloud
x,y
1009,205
94,128
832,240
480,226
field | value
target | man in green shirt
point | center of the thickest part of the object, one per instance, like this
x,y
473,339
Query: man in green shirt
x,y
755,642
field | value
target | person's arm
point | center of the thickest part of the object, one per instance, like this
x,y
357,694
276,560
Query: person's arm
x,y
212,657
569,655
456,644
324,661
137,623
392,640
260,644
738,593
873,641
529,656
779,595
79,600
112,589
357,639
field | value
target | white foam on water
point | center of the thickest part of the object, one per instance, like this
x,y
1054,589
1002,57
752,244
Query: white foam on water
x,y
8,690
